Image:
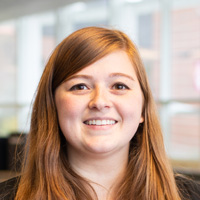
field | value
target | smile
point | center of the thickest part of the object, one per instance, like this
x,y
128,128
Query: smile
x,y
100,122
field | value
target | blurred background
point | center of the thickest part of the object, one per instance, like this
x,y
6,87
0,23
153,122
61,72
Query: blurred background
x,y
167,33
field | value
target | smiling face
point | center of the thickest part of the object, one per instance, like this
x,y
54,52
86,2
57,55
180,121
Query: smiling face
x,y
100,107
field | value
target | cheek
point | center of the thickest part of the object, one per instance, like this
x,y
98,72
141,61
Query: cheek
x,y
67,114
131,108
132,118
67,108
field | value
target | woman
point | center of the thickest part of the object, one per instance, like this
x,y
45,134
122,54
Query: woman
x,y
94,130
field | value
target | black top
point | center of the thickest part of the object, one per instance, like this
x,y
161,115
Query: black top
x,y
190,190
8,189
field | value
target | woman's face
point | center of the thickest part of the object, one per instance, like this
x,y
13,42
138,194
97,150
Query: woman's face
x,y
100,107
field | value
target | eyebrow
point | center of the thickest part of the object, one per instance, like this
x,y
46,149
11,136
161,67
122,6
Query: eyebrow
x,y
121,75
110,76
79,76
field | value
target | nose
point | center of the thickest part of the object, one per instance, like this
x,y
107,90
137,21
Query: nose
x,y
100,99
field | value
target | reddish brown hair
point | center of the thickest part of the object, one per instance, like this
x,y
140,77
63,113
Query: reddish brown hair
x,y
47,173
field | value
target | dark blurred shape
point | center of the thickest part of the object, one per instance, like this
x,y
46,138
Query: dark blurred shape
x,y
3,153
15,151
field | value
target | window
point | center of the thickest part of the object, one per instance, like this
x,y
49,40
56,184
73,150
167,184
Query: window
x,y
145,30
8,108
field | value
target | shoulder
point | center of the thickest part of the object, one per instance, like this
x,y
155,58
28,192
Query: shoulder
x,y
8,189
189,189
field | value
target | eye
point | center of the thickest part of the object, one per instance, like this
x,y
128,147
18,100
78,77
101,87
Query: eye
x,y
120,86
79,86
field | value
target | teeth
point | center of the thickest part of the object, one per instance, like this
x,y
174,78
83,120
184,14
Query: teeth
x,y
100,122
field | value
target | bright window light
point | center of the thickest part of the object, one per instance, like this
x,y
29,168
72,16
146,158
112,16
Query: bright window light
x,y
134,1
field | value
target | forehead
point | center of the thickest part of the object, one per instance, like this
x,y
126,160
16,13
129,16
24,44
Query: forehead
x,y
114,63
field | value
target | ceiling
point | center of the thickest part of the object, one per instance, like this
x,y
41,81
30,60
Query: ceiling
x,y
10,9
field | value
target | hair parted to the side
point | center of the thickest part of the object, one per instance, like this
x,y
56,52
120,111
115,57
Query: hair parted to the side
x,y
47,173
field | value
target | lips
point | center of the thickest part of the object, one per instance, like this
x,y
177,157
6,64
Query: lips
x,y
98,122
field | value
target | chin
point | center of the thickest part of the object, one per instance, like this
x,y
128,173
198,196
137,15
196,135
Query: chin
x,y
103,149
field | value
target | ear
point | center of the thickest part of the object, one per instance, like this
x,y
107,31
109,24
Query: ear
x,y
141,119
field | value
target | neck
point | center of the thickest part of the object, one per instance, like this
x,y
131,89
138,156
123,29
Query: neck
x,y
104,172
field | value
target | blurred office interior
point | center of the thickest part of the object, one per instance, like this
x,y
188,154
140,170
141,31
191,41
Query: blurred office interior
x,y
167,33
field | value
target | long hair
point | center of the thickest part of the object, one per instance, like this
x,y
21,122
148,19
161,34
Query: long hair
x,y
47,173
